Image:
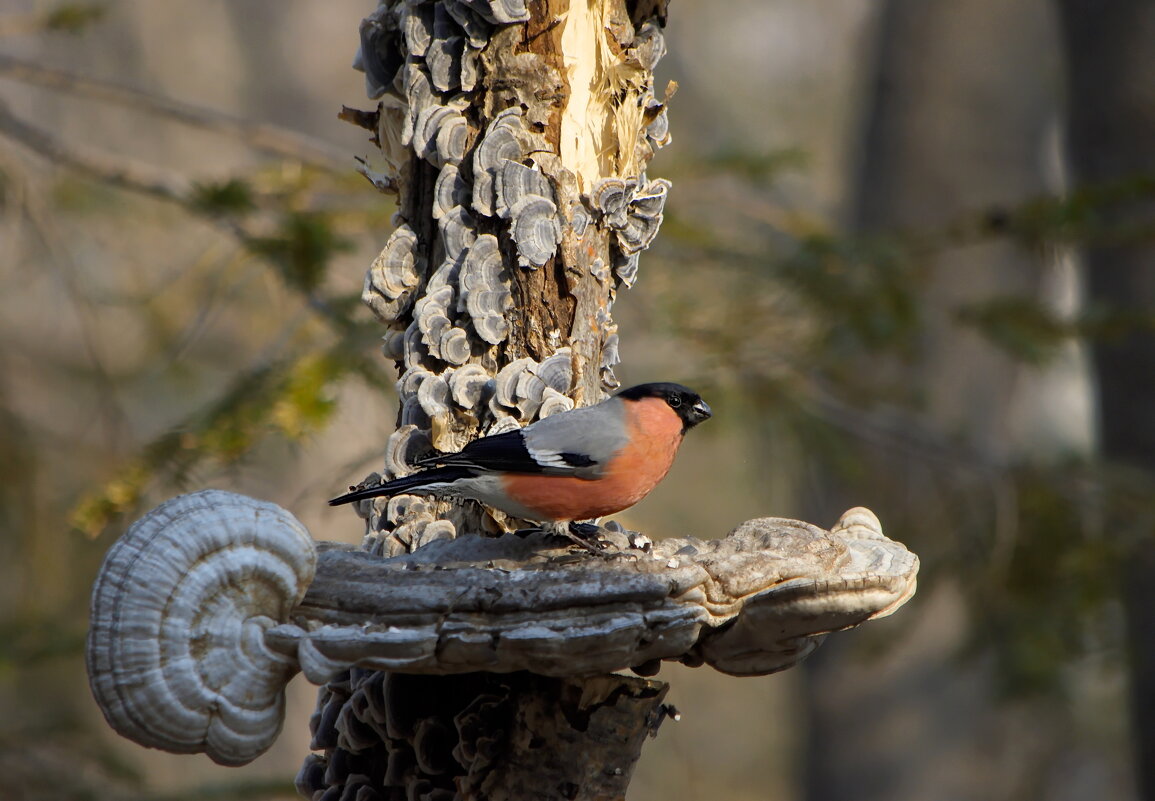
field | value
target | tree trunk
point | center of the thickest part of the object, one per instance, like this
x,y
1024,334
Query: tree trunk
x,y
517,140
1111,125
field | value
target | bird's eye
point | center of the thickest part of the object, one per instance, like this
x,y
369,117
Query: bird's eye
x,y
674,401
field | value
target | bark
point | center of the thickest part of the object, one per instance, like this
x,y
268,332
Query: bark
x,y
502,737
1111,124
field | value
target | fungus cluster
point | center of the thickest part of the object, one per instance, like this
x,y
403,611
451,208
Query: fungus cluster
x,y
210,603
503,203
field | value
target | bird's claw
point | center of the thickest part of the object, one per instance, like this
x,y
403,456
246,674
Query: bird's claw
x,y
587,536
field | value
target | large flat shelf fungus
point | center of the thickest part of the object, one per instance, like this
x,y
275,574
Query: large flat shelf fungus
x,y
209,604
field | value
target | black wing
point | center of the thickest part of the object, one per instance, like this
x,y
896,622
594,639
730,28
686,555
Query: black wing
x,y
504,452
415,481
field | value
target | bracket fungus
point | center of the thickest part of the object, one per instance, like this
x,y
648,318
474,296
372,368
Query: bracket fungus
x,y
508,384
476,28
470,68
504,12
378,56
612,197
417,26
658,131
177,656
485,285
626,268
468,384
610,358
553,402
535,229
450,190
433,395
501,143
444,60
556,372
404,446
458,231
207,606
452,139
515,181
393,276
427,128
455,346
419,95
579,220
432,317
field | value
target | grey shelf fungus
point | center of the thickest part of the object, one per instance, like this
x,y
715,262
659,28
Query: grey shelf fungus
x,y
501,142
393,276
207,606
177,657
485,286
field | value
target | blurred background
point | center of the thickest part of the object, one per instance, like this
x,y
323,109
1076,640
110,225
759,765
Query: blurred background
x,y
906,260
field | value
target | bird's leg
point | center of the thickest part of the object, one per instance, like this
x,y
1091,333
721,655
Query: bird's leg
x,y
584,535
588,532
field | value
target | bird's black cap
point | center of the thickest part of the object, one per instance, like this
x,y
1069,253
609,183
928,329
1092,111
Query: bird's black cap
x,y
683,400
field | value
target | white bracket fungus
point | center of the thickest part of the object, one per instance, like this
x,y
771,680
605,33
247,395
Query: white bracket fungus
x,y
485,286
177,656
207,606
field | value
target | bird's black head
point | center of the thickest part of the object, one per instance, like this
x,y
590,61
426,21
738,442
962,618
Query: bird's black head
x,y
683,400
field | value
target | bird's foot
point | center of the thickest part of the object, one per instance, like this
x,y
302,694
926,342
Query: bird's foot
x,y
585,535
586,531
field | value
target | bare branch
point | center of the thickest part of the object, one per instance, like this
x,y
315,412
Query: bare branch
x,y
122,172
268,138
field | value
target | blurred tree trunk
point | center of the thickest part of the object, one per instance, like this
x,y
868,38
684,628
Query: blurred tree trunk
x,y
956,123
1111,124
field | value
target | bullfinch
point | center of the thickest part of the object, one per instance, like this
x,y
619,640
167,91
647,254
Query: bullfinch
x,y
574,465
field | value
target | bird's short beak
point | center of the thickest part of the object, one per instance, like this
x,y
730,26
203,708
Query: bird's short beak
x,y
701,411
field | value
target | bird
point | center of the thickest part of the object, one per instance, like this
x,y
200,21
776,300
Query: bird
x,y
576,465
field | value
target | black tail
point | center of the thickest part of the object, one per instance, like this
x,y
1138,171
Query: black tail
x,y
412,483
